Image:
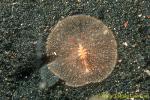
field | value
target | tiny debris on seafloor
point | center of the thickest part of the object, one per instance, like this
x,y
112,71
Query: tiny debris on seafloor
x,y
125,24
147,72
125,44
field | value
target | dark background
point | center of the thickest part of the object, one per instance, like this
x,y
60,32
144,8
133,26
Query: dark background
x,y
25,25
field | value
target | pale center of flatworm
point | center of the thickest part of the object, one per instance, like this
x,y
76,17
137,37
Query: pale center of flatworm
x,y
82,53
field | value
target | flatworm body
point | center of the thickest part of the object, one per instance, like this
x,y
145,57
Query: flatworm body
x,y
85,50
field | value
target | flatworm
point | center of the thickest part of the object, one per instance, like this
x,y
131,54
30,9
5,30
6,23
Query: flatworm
x,y
85,50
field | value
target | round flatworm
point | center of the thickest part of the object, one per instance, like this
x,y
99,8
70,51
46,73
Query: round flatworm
x,y
85,50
